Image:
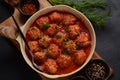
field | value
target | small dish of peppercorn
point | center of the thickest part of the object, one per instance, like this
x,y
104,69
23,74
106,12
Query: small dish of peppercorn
x,y
28,7
97,69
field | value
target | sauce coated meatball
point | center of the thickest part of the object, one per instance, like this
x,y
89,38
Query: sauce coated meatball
x,y
34,46
59,37
34,33
64,61
69,19
56,17
74,30
83,39
40,57
79,57
50,66
53,51
70,46
51,30
60,28
44,41
42,21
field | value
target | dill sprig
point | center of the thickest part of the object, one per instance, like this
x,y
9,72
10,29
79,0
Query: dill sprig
x,y
89,8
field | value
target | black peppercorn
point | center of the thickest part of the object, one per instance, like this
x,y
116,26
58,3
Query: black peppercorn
x,y
97,70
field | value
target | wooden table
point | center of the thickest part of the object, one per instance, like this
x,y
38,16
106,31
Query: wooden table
x,y
8,30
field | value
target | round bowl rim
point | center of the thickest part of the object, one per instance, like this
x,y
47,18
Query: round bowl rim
x,y
44,11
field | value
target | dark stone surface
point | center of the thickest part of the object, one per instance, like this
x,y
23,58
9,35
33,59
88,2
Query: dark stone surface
x,y
108,45
5,11
12,64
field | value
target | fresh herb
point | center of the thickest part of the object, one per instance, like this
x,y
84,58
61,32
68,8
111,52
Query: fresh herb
x,y
58,36
63,22
78,47
65,52
66,39
46,25
65,43
72,47
90,8
47,55
66,27
33,28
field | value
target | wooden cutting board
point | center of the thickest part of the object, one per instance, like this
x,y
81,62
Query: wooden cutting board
x,y
8,30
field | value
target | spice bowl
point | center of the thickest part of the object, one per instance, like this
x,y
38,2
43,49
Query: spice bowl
x,y
97,69
28,7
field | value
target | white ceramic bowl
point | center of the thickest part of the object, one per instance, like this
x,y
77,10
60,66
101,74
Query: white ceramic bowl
x,y
43,11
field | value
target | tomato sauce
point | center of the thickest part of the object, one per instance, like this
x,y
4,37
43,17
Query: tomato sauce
x,y
68,70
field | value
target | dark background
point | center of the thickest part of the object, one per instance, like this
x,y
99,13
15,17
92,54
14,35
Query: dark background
x,y
13,66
